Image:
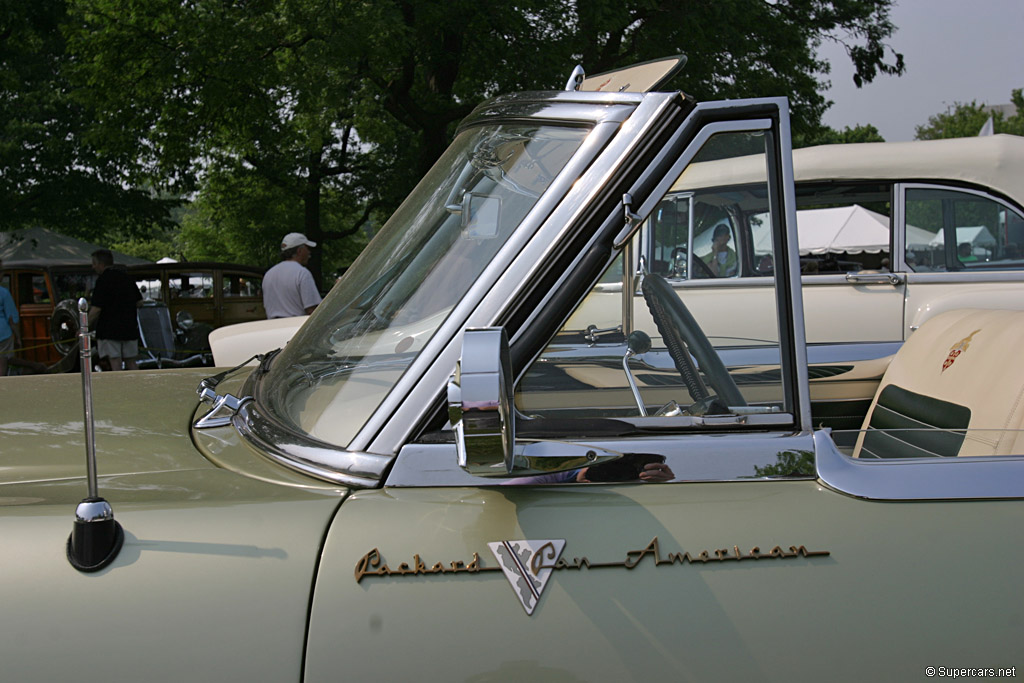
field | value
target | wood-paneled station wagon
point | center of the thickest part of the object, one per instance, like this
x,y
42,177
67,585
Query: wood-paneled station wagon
x,y
449,473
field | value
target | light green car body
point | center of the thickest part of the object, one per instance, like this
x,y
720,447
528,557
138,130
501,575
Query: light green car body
x,y
222,569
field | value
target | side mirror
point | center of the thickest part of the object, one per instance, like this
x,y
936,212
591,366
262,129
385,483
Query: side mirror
x,y
480,403
483,415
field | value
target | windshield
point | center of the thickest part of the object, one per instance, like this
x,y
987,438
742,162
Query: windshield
x,y
339,368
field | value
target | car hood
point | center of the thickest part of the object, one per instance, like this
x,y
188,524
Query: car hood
x,y
141,425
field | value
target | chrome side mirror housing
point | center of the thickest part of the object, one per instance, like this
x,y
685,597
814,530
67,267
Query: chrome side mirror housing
x,y
482,412
480,405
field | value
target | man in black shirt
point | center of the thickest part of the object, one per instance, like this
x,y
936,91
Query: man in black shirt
x,y
112,313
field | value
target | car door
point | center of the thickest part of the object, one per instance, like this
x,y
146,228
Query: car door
x,y
730,559
852,290
240,297
962,248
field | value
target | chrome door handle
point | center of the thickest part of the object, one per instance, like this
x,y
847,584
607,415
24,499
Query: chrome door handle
x,y
874,278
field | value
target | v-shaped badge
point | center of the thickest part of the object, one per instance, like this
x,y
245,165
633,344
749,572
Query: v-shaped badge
x,y
527,566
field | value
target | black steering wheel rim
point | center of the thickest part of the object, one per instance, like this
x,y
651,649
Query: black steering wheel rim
x,y
676,323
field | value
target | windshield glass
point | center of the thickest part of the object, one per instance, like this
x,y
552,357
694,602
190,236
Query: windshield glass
x,y
339,368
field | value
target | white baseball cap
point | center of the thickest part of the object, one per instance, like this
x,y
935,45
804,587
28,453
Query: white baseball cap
x,y
295,239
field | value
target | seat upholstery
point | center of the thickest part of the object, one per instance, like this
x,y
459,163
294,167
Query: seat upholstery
x,y
962,369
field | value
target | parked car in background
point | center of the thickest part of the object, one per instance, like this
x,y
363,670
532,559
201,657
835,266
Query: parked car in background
x,y
890,234
200,297
212,293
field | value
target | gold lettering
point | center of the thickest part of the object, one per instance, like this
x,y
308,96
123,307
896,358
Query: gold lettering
x,y
651,548
370,559
474,564
545,552
681,558
372,564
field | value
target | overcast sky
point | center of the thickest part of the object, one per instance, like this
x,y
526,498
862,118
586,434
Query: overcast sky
x,y
955,51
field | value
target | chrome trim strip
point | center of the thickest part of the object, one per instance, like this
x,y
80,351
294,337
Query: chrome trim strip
x,y
799,338
693,458
305,455
562,107
968,478
960,277
838,353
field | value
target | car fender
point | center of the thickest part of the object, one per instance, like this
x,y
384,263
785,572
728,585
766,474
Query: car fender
x,y
997,298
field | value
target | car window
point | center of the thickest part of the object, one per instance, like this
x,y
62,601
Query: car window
x,y
675,356
953,230
196,285
241,285
150,286
842,227
73,285
32,288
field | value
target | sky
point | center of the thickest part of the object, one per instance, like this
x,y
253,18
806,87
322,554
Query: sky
x,y
955,51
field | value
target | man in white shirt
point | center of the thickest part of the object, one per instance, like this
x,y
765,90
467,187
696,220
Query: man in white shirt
x,y
288,287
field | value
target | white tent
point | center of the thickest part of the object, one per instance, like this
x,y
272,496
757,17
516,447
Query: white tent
x,y
850,229
919,238
977,235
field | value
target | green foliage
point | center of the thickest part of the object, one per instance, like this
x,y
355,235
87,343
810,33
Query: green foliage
x,y
789,464
152,249
320,115
966,120
830,136
50,172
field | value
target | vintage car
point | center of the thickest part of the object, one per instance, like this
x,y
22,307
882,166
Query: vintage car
x,y
40,269
212,293
445,476
200,296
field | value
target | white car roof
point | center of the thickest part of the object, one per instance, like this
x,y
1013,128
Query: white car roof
x,y
995,162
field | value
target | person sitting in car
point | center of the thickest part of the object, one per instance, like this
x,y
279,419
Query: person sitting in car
x,y
722,261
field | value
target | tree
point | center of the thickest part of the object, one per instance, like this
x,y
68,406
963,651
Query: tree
x,y
50,172
830,136
966,120
343,105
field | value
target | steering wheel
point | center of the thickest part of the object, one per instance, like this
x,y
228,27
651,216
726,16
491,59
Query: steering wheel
x,y
681,332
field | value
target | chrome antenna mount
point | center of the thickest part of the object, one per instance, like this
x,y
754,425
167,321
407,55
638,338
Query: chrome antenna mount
x,y
96,538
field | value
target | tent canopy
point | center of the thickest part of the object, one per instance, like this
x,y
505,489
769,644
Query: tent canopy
x,y
845,229
850,229
976,235
42,247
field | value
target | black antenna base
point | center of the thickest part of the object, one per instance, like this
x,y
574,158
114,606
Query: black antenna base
x,y
96,538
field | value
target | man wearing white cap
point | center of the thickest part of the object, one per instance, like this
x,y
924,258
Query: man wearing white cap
x,y
288,287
